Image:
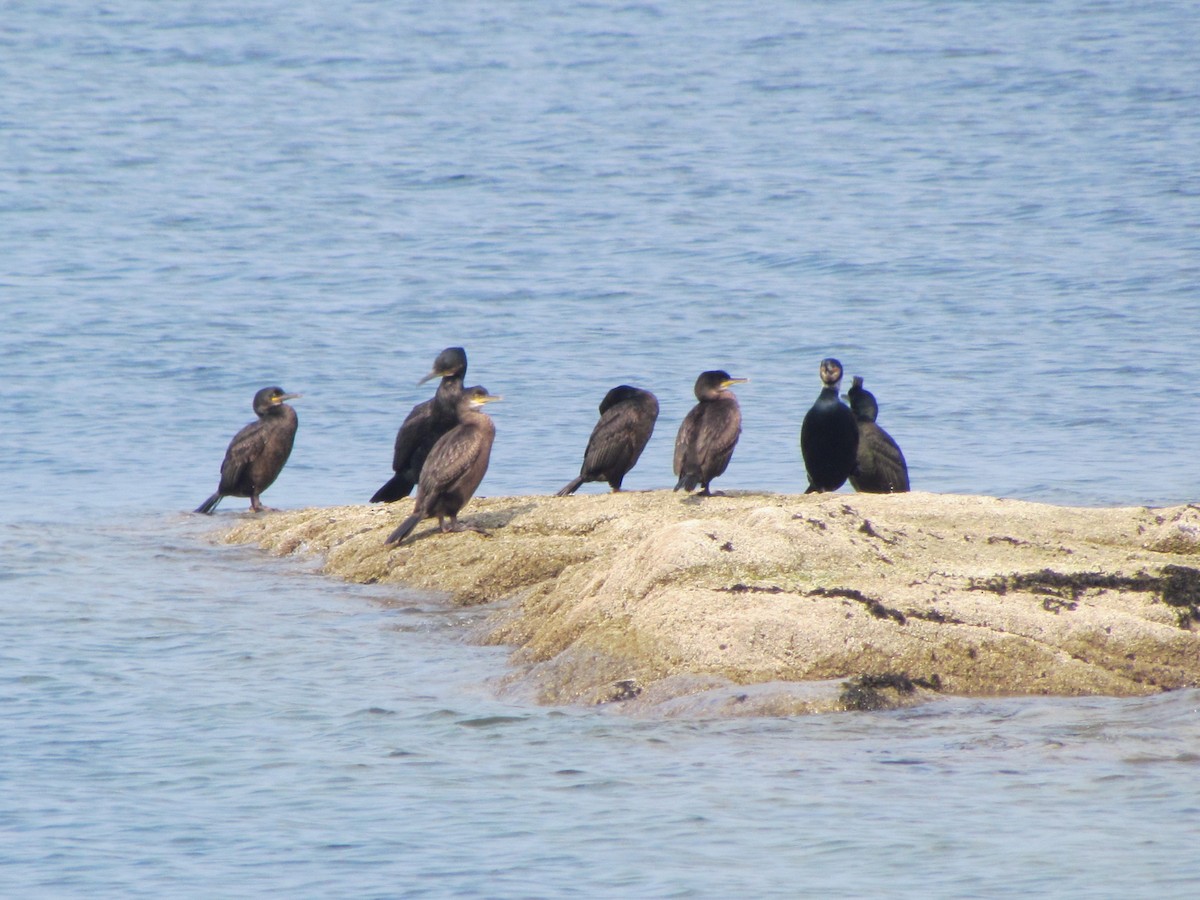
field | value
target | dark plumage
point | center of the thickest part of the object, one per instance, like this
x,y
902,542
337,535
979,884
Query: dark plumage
x,y
881,466
709,432
627,417
427,422
257,453
454,467
829,435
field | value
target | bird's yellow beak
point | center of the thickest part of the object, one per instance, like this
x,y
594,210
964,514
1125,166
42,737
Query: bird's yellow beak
x,y
436,373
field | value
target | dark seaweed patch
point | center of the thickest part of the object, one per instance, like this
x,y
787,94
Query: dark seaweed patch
x,y
867,692
934,615
869,530
1005,539
817,522
741,588
1177,586
874,607
1055,605
1181,589
625,689
1068,585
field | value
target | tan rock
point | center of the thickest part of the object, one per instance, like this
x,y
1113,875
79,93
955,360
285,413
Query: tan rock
x,y
764,603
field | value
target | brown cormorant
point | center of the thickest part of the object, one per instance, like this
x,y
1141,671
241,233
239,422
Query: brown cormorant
x,y
627,417
454,467
709,432
257,453
881,467
427,422
829,435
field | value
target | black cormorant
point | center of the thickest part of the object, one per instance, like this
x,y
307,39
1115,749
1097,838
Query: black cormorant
x,y
627,417
257,453
829,435
881,466
454,467
427,422
709,432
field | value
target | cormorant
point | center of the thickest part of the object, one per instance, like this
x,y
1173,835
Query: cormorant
x,y
427,422
829,435
454,467
257,453
709,432
627,417
881,466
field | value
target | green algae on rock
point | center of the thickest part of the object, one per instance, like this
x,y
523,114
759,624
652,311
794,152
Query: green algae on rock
x,y
648,599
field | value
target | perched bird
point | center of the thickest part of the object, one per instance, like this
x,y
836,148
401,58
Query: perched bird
x,y
627,417
257,453
881,467
709,432
829,435
454,467
427,422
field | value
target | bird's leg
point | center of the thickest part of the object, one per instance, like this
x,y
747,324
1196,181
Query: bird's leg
x,y
255,503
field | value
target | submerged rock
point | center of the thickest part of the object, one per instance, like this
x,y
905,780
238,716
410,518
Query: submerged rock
x,y
649,601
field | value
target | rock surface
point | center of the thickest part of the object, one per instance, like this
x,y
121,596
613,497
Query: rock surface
x,y
759,603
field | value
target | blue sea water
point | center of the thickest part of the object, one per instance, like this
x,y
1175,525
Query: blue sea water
x,y
990,211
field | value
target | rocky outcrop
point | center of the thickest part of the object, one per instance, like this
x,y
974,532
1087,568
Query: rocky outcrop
x,y
766,603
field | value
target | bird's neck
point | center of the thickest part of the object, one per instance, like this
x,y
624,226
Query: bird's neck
x,y
451,384
476,419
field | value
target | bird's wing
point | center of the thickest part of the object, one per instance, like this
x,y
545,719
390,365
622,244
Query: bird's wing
x,y
890,466
613,439
245,446
412,432
722,426
686,437
451,457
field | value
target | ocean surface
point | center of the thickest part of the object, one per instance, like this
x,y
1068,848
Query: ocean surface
x,y
989,211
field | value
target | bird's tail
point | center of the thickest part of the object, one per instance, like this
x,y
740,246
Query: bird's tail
x,y
571,488
687,481
396,489
405,527
210,504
